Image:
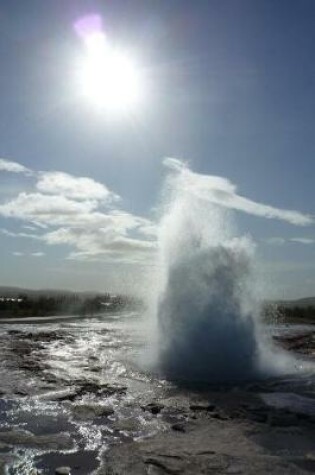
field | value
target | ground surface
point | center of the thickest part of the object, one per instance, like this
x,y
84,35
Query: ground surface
x,y
70,398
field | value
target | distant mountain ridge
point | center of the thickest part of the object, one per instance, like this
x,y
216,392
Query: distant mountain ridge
x,y
8,291
300,303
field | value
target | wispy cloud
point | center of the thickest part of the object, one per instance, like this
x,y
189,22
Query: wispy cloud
x,y
302,240
83,215
21,234
222,192
13,167
68,210
37,254
78,188
32,254
44,208
281,241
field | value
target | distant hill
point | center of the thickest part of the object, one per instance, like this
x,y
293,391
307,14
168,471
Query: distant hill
x,y
13,292
300,303
16,302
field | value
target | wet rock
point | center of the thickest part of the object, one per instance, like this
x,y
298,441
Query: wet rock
x,y
127,425
153,407
235,469
67,394
205,449
202,406
61,441
87,387
164,465
95,369
279,419
178,427
21,392
301,342
90,411
258,417
63,471
41,337
220,416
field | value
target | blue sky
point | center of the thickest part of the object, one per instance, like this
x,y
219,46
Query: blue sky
x,y
230,89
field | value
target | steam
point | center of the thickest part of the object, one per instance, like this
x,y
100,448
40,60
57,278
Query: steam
x,y
207,311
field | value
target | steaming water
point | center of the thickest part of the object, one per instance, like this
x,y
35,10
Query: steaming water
x,y
207,310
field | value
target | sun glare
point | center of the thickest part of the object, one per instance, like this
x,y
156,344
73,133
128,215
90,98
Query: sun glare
x,y
108,78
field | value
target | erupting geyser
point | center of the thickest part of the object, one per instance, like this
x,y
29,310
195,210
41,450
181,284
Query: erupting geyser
x,y
207,314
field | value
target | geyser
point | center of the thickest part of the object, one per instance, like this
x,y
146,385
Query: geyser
x,y
207,314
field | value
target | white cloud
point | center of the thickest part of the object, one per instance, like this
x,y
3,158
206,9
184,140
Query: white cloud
x,y
78,188
299,240
32,254
103,242
13,167
149,230
69,211
8,233
302,240
222,192
46,209
57,211
90,232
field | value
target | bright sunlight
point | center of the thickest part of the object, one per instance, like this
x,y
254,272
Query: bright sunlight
x,y
108,78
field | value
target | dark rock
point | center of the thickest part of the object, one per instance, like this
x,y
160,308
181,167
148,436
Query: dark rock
x,y
130,424
164,466
21,392
279,419
218,415
258,417
154,408
202,407
179,427
63,471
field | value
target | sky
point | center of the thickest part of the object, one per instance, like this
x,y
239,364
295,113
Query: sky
x,y
228,88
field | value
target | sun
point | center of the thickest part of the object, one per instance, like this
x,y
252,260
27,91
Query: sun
x,y
109,78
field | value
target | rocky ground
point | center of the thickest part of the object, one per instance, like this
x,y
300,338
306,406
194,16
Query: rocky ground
x,y
228,431
256,428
